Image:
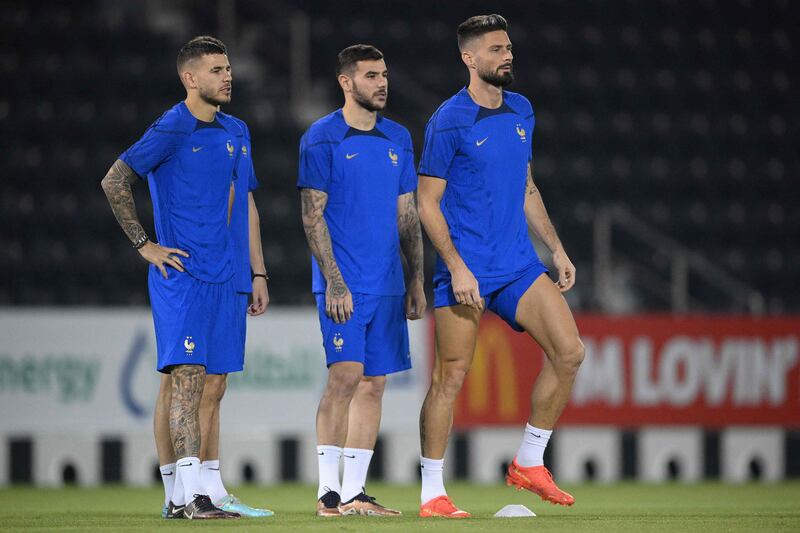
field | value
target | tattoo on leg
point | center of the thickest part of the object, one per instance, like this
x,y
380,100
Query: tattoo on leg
x,y
184,423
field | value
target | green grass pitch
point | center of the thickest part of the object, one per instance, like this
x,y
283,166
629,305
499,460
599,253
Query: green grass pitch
x,y
626,507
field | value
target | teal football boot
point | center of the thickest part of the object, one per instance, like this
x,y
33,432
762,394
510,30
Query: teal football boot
x,y
233,504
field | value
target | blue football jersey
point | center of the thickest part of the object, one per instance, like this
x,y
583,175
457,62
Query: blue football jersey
x,y
363,173
244,181
189,166
483,154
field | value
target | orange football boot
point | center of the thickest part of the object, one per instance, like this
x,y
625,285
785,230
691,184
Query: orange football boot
x,y
443,507
538,480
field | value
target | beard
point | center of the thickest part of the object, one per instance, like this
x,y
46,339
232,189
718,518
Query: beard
x,y
217,98
365,101
497,77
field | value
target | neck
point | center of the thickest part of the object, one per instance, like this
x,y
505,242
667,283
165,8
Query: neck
x,y
358,117
484,94
200,109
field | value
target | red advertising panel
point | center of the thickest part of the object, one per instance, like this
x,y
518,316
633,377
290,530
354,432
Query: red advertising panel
x,y
653,369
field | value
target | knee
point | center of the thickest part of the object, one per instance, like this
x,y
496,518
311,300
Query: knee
x,y
371,388
569,358
214,388
450,381
342,384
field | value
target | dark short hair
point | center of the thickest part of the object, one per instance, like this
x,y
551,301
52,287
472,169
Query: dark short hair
x,y
478,25
351,55
198,47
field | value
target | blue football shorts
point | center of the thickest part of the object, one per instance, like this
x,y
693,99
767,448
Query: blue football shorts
x,y
501,295
376,334
197,323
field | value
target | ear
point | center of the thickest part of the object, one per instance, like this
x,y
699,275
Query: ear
x,y
345,83
188,80
468,59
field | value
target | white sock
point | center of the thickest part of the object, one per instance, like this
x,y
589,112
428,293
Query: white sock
x,y
328,459
168,478
178,497
356,464
432,478
188,471
212,480
534,441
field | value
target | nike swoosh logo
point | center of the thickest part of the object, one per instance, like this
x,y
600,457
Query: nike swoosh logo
x,y
320,453
351,156
171,473
350,456
537,436
187,464
478,143
217,469
196,149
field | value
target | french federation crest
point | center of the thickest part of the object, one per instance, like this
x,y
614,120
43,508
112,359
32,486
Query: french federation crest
x,y
521,133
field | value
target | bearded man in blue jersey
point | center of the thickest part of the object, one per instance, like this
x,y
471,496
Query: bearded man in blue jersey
x,y
190,157
477,200
357,184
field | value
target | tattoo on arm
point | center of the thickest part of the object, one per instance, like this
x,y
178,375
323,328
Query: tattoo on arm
x,y
184,421
536,214
410,234
313,204
117,186
530,188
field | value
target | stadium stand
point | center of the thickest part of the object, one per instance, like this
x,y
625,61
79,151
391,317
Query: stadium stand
x,y
684,113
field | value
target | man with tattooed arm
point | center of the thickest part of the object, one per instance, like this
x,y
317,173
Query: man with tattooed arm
x,y
190,157
357,184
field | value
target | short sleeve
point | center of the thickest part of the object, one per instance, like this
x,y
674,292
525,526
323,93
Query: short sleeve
x,y
252,181
153,149
408,177
531,119
315,164
441,143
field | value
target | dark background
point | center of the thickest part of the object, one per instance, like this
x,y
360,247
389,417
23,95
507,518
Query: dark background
x,y
682,113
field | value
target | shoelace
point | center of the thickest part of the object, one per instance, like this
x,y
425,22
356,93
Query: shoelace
x,y
364,498
330,499
204,503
